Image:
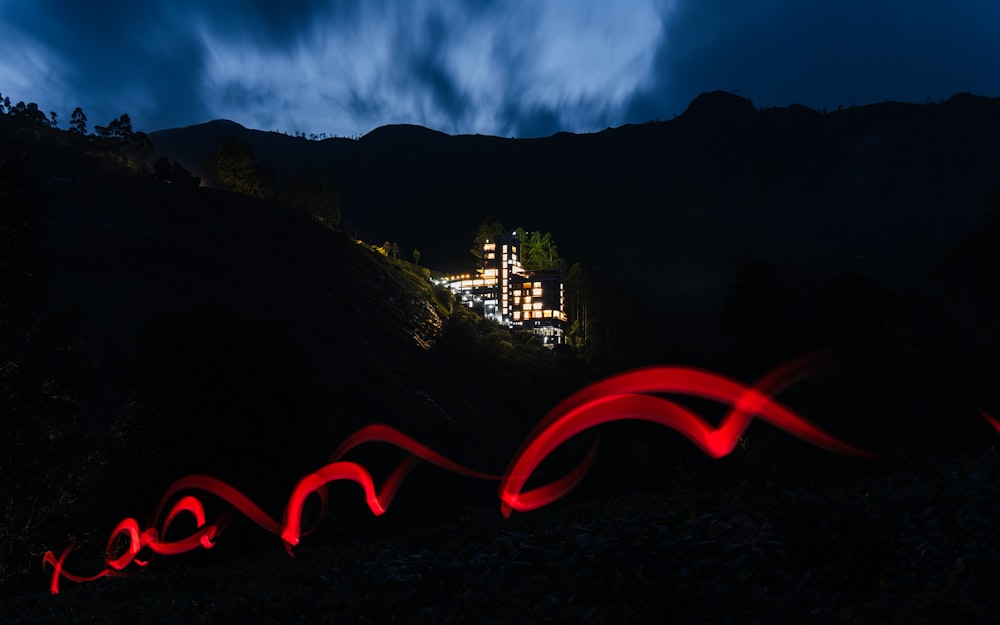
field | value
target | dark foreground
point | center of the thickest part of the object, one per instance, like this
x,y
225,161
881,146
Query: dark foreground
x,y
907,542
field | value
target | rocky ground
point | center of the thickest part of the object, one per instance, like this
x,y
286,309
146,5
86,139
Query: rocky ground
x,y
911,542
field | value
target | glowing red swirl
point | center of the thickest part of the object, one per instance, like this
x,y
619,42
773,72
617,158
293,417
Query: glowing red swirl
x,y
625,396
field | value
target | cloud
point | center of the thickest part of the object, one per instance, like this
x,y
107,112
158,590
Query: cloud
x,y
110,58
821,54
521,68
513,67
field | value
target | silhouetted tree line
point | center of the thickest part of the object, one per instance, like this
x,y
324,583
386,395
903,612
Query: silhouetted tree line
x,y
117,139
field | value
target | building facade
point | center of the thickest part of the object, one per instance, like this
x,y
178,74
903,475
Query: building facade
x,y
504,291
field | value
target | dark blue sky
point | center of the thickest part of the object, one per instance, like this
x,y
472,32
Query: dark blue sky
x,y
513,68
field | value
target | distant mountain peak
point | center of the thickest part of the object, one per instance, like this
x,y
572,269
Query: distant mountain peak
x,y
402,131
720,105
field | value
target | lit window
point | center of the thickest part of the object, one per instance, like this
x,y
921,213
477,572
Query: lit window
x,y
537,292
489,247
505,250
517,300
517,292
527,300
491,255
517,315
547,314
537,305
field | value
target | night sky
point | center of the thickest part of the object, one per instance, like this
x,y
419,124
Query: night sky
x,y
521,68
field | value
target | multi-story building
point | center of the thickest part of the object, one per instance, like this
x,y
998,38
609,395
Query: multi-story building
x,y
503,290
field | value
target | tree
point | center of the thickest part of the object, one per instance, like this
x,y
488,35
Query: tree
x,y
310,194
118,129
173,173
78,122
579,293
29,113
539,251
488,231
416,257
234,166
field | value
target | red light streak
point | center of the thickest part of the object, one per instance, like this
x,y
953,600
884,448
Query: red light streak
x,y
625,396
620,397
993,421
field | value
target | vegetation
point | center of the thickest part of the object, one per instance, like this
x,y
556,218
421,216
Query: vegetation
x,y
234,166
538,250
221,333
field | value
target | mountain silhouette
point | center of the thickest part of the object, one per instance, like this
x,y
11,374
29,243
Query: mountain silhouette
x,y
671,208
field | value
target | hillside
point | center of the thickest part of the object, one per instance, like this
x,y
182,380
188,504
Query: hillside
x,y
668,210
152,330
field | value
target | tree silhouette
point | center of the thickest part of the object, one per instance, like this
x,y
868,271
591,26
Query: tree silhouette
x,y
117,129
488,231
539,251
310,194
173,173
29,114
78,122
233,164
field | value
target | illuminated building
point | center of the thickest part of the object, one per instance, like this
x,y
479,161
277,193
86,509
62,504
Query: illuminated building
x,y
509,294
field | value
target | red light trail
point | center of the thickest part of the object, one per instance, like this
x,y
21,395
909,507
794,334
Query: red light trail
x,y
628,396
990,419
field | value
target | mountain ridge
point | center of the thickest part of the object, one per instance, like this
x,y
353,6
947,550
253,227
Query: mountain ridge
x,y
670,208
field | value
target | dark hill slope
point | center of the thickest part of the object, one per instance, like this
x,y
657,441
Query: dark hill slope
x,y
163,331
668,210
